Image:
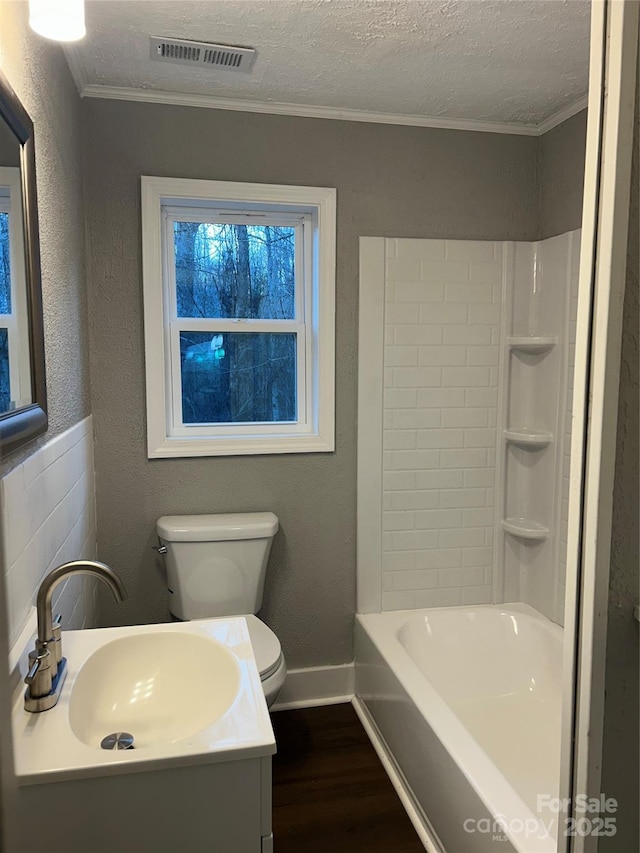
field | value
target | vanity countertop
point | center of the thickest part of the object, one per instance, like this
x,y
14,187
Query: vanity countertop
x,y
48,745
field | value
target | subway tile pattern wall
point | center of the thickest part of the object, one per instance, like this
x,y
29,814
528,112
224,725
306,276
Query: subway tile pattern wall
x,y
49,517
441,354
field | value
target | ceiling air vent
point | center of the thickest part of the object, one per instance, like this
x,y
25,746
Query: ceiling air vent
x,y
202,53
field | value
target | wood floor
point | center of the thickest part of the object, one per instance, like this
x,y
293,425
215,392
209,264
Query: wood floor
x,y
330,792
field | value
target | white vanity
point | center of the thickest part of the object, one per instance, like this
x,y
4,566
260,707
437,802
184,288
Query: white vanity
x,y
198,778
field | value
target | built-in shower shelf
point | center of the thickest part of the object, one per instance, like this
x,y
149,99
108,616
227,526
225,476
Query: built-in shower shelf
x,y
531,344
525,528
528,438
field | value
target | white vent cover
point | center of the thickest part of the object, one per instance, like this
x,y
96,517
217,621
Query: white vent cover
x,y
202,53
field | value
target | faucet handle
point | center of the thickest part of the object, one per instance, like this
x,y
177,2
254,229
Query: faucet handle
x,y
56,638
39,660
39,678
30,676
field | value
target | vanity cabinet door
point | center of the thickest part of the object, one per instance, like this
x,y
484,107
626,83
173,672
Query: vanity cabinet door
x,y
202,808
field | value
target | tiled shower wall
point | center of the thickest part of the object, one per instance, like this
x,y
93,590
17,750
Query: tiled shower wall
x,y
49,517
441,355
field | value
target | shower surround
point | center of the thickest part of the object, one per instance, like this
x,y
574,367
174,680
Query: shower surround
x,y
464,427
462,424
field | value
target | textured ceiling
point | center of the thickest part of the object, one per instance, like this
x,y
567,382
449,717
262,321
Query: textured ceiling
x,y
515,61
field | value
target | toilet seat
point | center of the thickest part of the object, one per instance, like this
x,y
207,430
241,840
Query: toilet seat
x,y
266,646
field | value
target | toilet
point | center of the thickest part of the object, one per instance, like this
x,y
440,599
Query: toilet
x,y
216,566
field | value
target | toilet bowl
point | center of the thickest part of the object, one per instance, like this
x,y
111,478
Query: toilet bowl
x,y
269,657
216,566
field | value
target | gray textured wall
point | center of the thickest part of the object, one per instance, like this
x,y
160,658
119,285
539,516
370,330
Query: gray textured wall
x,y
561,176
38,71
622,688
397,181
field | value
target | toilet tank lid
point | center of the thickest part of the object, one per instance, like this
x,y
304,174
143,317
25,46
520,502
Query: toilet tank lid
x,y
216,528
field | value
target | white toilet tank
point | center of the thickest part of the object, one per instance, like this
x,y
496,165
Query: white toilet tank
x,y
216,564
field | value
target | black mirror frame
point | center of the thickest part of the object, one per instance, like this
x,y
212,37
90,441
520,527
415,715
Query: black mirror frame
x,y
22,425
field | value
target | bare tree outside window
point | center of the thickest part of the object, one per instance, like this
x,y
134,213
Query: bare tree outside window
x,y
246,272
239,310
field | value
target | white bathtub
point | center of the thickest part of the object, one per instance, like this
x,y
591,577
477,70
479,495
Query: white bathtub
x,y
468,702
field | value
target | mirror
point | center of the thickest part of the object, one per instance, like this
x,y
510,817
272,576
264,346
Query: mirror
x,y
23,409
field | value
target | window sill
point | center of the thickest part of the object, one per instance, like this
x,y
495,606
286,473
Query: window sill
x,y
258,446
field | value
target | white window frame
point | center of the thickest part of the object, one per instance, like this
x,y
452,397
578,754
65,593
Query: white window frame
x,y
312,210
16,323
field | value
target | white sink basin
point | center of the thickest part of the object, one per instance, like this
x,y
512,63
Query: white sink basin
x,y
159,687
188,692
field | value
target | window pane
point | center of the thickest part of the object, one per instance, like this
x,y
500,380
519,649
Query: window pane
x,y
5,384
235,271
238,377
5,271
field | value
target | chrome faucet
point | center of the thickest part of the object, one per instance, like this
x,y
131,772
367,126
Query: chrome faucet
x,y
47,666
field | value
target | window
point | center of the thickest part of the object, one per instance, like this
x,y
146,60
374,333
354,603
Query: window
x,y
239,291
15,372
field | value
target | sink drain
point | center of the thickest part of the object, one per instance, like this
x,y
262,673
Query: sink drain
x,y
117,740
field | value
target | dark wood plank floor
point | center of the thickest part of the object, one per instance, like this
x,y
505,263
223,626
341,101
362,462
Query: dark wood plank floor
x,y
330,792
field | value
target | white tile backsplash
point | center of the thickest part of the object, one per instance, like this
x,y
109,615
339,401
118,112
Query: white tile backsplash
x,y
48,517
442,334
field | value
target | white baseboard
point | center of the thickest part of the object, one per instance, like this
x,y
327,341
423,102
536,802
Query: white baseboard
x,y
403,790
316,685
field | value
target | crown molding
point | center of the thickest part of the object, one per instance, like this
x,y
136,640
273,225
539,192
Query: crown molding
x,y
154,96
563,114
274,108
76,66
